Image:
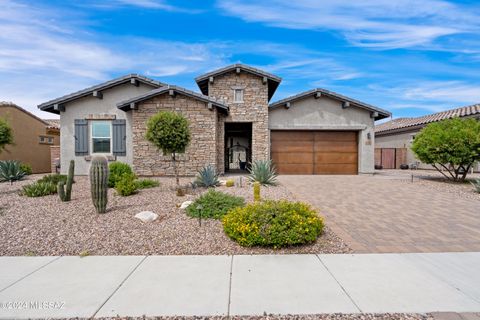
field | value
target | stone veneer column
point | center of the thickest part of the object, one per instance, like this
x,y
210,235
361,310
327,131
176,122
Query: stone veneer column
x,y
254,109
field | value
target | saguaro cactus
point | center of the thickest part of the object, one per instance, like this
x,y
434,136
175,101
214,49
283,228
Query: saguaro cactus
x,y
256,191
65,194
99,183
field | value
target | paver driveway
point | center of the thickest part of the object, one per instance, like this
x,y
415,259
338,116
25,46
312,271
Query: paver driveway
x,y
381,214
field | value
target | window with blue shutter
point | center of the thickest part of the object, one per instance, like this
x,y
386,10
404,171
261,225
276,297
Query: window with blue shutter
x,y
119,137
81,137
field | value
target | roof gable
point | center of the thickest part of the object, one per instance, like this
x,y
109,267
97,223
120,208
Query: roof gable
x,y
131,103
377,113
14,106
272,80
52,105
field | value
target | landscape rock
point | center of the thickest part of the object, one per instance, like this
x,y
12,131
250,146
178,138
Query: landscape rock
x,y
147,216
186,204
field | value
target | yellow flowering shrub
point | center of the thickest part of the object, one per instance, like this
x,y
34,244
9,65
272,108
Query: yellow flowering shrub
x,y
273,224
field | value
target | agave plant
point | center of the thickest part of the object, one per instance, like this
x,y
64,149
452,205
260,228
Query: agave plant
x,y
10,170
207,177
263,172
476,185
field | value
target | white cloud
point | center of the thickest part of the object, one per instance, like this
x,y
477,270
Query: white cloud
x,y
381,24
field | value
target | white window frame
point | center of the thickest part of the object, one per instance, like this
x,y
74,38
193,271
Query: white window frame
x,y
235,95
91,137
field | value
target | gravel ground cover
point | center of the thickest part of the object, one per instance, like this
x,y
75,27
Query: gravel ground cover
x,y
47,226
434,180
334,316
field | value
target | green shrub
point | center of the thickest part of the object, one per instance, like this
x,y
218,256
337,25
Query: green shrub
x,y
54,178
39,189
146,183
207,177
25,167
6,134
214,204
273,224
116,171
263,172
126,185
10,171
476,185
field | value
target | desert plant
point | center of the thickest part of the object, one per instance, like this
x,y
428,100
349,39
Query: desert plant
x,y
169,132
116,171
146,183
10,171
256,191
127,185
6,134
273,224
230,183
476,185
214,204
39,189
99,183
452,145
65,194
263,172
54,178
207,177
25,167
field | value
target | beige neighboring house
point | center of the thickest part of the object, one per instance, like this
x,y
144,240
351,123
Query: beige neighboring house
x,y
232,123
393,139
32,137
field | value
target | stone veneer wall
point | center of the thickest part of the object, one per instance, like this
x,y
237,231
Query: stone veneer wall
x,y
149,161
54,157
253,109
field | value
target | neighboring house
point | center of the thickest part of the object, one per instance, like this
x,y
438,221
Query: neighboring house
x,y
32,137
231,123
393,139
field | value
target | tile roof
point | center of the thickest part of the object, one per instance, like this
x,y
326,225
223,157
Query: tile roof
x,y
53,123
402,123
48,106
381,112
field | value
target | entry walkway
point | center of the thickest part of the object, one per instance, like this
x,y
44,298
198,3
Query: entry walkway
x,y
50,287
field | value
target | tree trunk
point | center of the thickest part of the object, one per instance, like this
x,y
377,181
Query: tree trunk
x,y
177,180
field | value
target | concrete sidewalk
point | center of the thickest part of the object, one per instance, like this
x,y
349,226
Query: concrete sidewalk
x,y
50,287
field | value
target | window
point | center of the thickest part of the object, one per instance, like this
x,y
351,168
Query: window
x,y
46,140
237,95
101,136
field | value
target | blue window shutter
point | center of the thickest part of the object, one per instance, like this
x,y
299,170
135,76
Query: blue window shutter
x,y
81,137
119,135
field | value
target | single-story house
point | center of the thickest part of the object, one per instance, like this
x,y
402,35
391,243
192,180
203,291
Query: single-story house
x,y
393,139
33,137
231,122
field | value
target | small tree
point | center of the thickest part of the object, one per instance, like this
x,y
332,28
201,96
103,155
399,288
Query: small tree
x,y
169,132
453,145
6,134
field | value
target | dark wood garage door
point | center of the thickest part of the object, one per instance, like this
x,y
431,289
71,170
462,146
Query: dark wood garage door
x,y
315,152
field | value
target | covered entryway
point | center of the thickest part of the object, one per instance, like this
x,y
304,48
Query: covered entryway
x,y
314,152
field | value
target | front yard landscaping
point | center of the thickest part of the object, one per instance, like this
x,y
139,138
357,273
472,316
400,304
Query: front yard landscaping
x,y
48,226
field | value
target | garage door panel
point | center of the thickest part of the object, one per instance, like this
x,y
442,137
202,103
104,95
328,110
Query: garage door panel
x,y
292,146
332,158
335,169
292,136
329,146
293,157
315,152
285,168
335,135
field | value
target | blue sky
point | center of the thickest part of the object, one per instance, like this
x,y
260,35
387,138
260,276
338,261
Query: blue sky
x,y
409,57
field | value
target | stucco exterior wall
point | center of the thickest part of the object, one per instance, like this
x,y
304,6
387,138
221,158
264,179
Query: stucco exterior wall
x,y
27,148
327,114
254,109
201,152
82,108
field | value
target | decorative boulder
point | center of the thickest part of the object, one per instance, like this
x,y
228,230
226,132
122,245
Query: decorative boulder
x,y
223,182
185,204
146,216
